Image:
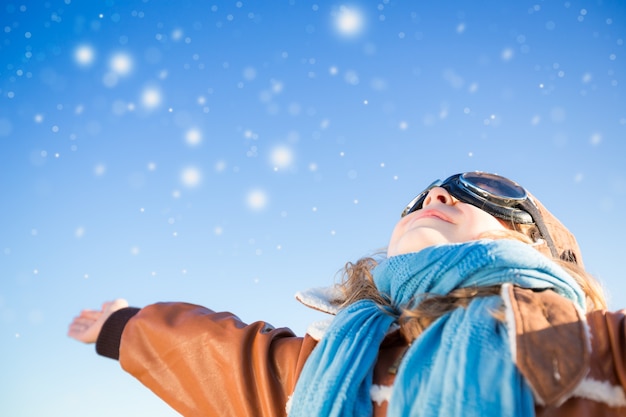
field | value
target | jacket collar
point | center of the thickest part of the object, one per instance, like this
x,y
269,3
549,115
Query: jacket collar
x,y
321,298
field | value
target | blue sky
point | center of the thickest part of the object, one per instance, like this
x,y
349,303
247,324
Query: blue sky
x,y
231,153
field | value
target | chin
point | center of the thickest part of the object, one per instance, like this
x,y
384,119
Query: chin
x,y
405,250
409,245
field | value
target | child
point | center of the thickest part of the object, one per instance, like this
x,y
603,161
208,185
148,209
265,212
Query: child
x,y
481,307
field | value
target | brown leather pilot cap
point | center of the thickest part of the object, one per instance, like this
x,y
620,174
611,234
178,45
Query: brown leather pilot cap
x,y
564,240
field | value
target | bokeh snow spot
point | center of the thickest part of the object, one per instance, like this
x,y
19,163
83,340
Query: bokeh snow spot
x,y
351,77
99,170
257,200
249,73
507,54
151,97
455,80
595,139
193,137
220,166
191,177
249,134
536,119
110,79
349,21
378,84
121,64
281,157
84,55
277,86
177,34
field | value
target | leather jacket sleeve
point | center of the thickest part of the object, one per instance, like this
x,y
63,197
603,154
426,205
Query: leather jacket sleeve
x,y
204,363
608,340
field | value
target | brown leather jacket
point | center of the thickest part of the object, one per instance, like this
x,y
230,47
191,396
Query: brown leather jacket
x,y
204,363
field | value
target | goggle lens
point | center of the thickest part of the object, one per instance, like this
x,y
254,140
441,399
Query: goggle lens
x,y
494,187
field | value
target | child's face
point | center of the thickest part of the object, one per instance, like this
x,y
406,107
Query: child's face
x,y
442,219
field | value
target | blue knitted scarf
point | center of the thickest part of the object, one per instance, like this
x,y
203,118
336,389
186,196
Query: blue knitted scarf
x,y
461,365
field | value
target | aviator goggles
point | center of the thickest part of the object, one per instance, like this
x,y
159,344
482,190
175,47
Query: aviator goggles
x,y
494,194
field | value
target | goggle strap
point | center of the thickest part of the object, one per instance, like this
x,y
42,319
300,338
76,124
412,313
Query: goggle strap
x,y
545,234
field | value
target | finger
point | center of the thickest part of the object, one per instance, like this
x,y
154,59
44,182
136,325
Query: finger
x,y
80,324
92,314
107,305
113,306
75,332
81,333
83,321
120,303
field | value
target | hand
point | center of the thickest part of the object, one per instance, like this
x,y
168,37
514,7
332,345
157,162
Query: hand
x,y
86,327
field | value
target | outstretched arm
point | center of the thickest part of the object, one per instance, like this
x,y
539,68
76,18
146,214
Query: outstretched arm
x,y
207,363
86,326
198,361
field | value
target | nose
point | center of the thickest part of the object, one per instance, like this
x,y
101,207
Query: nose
x,y
438,194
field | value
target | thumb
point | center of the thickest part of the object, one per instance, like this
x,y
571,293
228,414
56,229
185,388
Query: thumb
x,y
113,306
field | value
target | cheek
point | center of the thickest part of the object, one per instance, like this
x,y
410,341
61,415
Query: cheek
x,y
483,222
397,231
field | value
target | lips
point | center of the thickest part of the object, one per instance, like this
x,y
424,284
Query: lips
x,y
429,213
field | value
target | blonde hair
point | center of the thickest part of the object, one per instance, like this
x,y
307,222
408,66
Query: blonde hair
x,y
358,284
